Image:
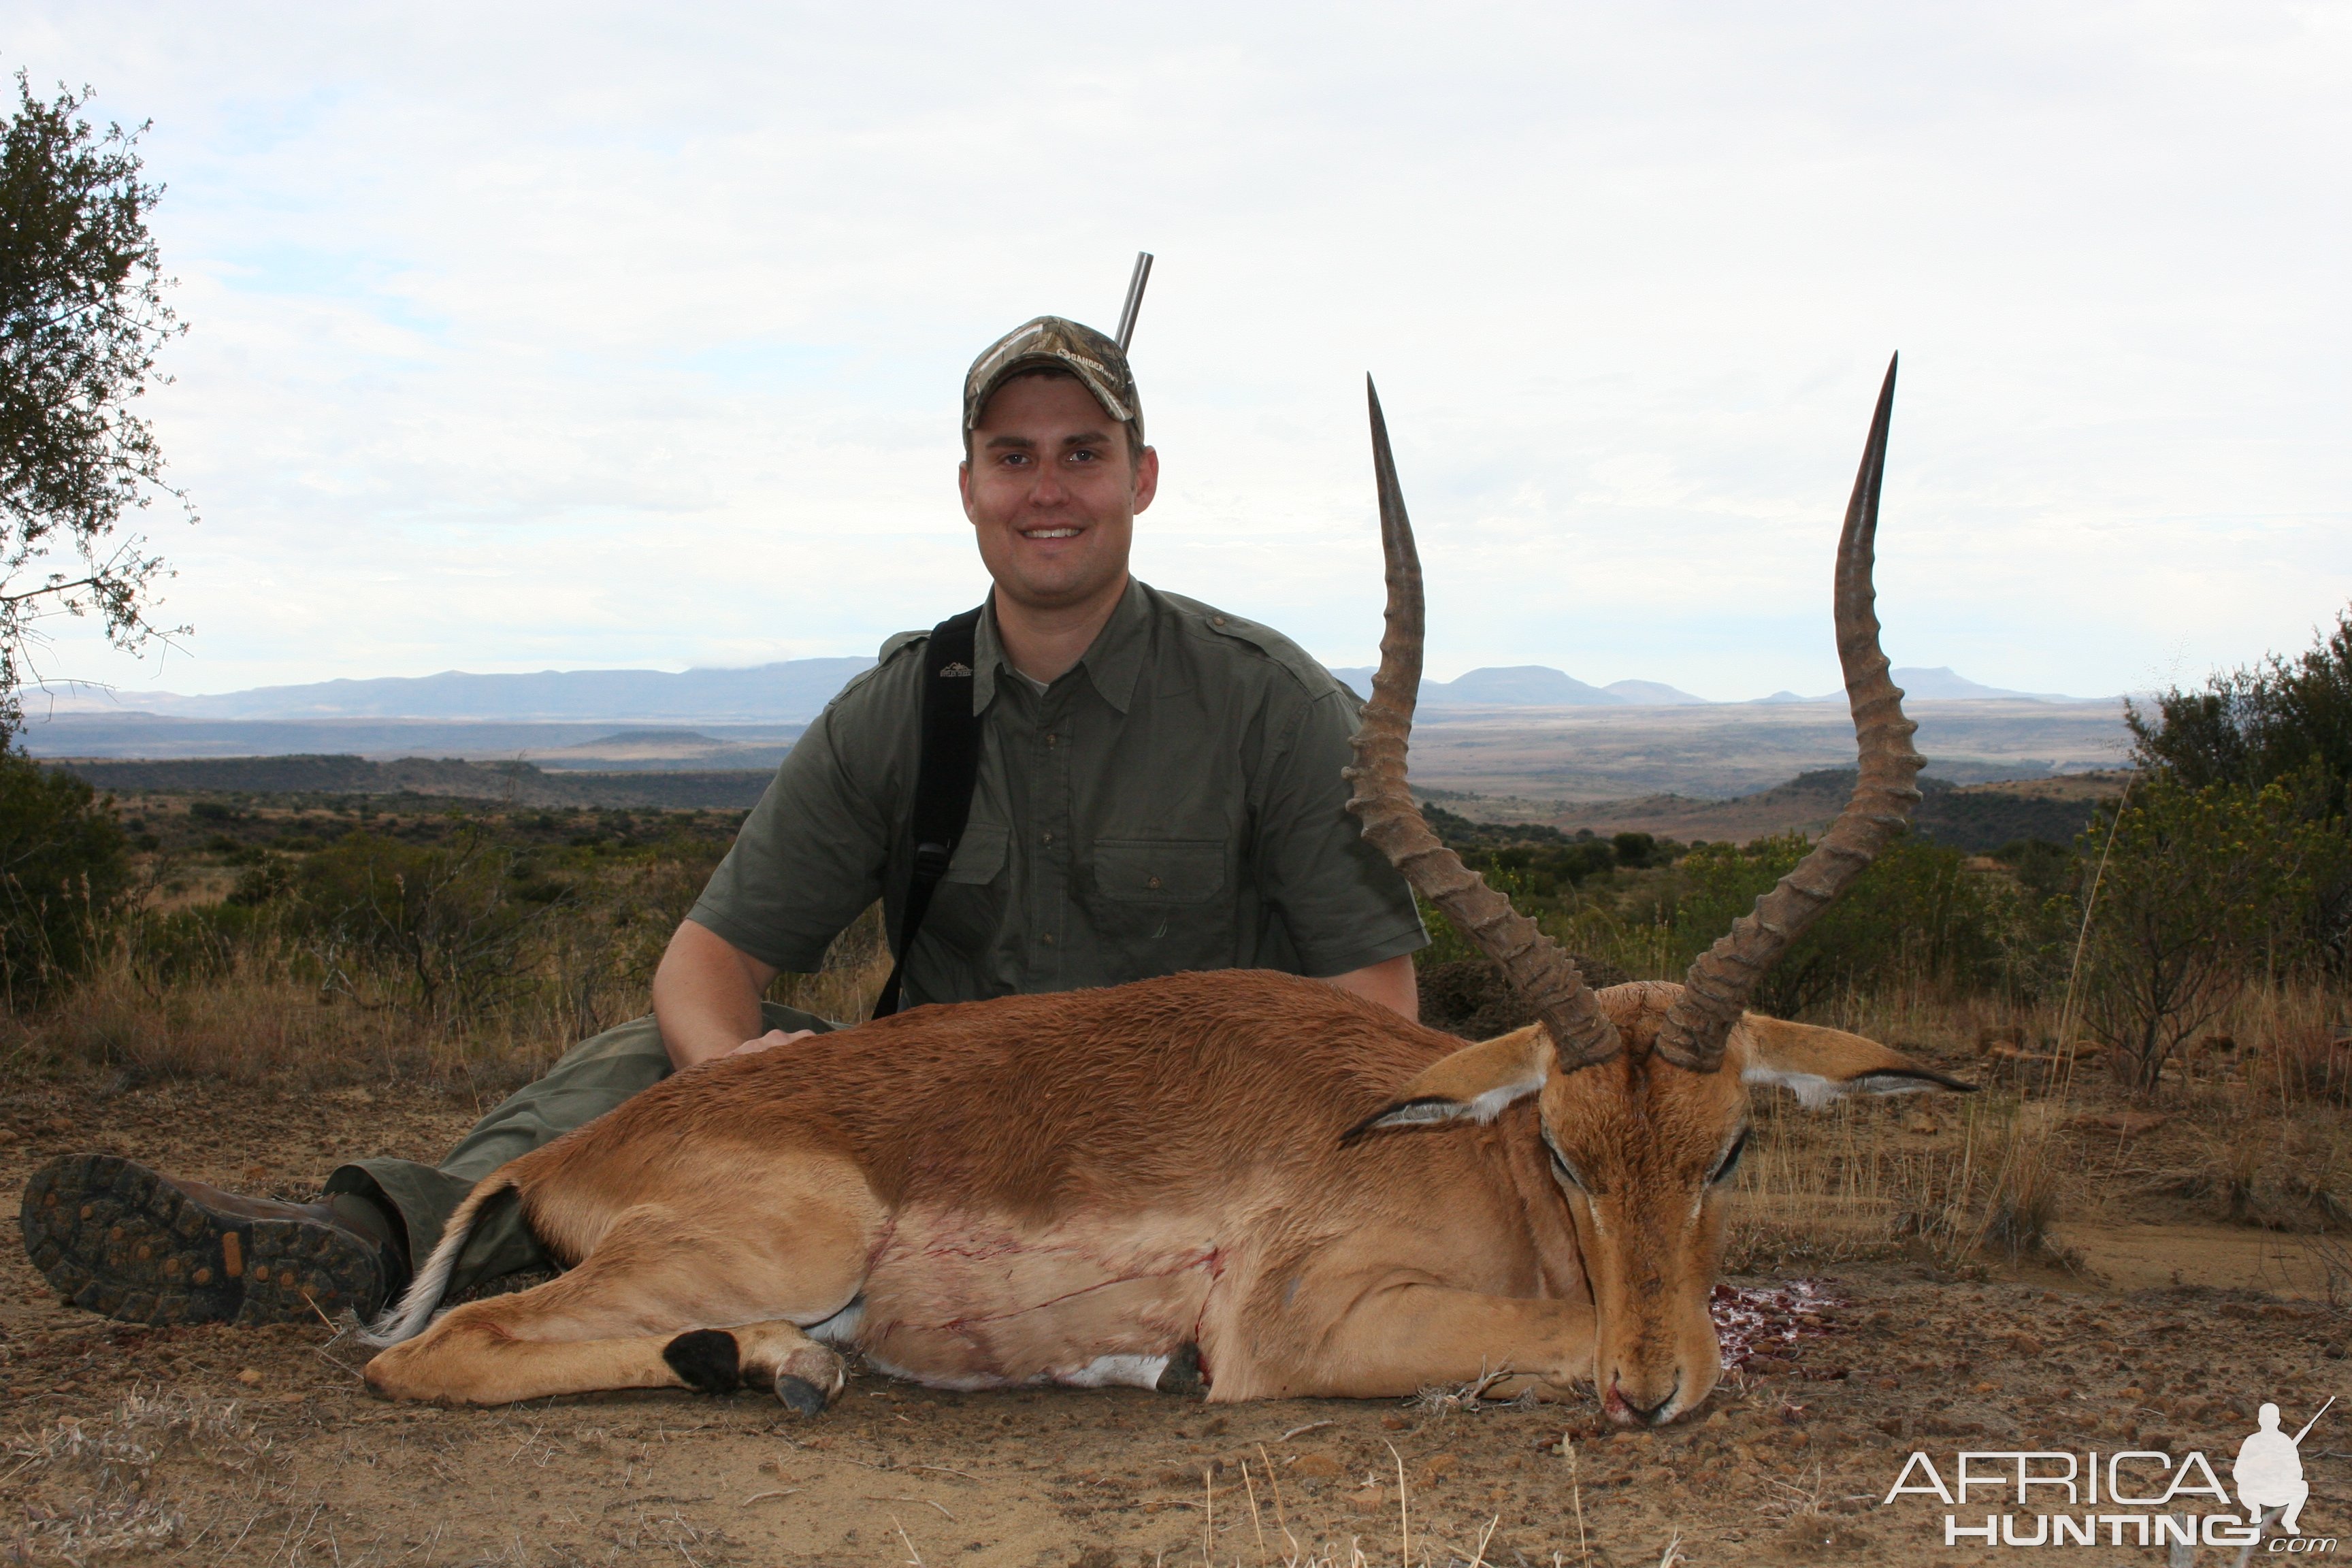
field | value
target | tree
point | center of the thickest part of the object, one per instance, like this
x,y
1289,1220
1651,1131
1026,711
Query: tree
x,y
81,317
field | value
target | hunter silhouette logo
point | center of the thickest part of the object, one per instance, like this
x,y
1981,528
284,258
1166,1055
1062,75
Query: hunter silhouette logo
x,y
2159,1487
2269,1469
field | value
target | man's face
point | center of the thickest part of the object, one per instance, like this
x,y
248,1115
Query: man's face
x,y
1051,493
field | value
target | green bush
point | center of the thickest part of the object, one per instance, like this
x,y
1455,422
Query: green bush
x,y
65,870
190,945
449,918
2195,891
1916,913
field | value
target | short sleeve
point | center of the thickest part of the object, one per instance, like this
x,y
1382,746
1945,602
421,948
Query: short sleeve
x,y
811,855
1344,906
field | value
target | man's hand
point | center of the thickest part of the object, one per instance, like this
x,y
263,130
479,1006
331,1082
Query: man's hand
x,y
707,995
771,1040
1390,983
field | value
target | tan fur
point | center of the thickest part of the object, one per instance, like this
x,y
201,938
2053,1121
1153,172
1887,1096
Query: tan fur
x,y
1006,1192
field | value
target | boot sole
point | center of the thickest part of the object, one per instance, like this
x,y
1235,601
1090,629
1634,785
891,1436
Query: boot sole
x,y
113,1236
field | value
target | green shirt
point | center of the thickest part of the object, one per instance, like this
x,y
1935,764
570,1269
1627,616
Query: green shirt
x,y
1172,802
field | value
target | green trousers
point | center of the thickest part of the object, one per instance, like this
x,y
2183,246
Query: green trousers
x,y
590,1078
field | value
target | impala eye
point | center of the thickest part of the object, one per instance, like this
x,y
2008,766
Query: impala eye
x,y
1730,1162
1567,1172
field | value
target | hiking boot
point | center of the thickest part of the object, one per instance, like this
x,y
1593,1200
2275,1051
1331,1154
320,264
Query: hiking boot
x,y
116,1237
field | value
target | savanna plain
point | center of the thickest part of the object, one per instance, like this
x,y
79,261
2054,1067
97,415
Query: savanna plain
x,y
2132,1235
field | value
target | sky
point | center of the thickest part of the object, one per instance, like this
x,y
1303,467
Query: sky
x,y
596,336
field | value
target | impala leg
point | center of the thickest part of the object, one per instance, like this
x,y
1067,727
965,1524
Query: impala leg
x,y
475,1362
661,1303
1400,1339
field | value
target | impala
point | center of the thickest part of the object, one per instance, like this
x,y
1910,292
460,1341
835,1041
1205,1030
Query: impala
x,y
1240,1181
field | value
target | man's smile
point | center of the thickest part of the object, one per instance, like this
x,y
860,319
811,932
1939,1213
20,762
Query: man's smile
x,y
1055,530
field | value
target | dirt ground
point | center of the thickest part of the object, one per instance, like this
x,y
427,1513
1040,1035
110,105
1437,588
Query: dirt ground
x,y
209,1444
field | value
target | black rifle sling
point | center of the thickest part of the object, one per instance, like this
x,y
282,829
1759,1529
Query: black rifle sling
x,y
943,780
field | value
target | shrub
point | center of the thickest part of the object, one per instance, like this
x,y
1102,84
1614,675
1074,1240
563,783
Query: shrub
x,y
444,917
65,869
2199,888
1915,911
192,945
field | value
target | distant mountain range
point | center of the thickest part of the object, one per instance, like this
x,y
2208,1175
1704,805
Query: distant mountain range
x,y
1527,686
792,692
1539,686
795,690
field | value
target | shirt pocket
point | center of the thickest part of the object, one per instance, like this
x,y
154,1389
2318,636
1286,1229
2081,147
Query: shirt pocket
x,y
1158,870
1159,905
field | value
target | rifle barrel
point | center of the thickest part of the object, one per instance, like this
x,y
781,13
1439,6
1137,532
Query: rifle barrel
x,y
2313,1421
1134,299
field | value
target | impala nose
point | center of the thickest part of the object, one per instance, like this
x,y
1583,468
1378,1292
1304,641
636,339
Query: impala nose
x,y
1620,1405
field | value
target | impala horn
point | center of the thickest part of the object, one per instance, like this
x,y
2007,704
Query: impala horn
x,y
1580,1032
1720,979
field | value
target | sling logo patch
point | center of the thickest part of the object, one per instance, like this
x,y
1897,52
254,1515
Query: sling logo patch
x,y
956,670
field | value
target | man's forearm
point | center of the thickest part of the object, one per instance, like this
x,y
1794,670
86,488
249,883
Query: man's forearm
x,y
707,994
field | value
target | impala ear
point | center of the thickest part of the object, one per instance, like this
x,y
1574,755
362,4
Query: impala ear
x,y
1823,1064
1473,1084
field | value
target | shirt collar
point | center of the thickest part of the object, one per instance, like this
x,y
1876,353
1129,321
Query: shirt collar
x,y
1113,663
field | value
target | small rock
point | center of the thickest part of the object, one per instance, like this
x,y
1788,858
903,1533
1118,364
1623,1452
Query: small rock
x,y
1315,1465
1371,1500
1438,1466
1394,1422
249,1377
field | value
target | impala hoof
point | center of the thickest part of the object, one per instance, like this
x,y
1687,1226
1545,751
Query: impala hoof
x,y
811,1379
799,1395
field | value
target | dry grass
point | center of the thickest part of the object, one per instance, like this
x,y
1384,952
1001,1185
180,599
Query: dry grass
x,y
90,1487
256,1021
2254,1112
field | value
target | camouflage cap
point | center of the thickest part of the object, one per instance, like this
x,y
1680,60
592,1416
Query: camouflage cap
x,y
1049,341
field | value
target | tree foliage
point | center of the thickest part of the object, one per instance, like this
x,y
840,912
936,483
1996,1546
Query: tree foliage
x,y
81,317
2282,722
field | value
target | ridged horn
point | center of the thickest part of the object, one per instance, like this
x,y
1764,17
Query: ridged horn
x,y
1580,1032
1717,985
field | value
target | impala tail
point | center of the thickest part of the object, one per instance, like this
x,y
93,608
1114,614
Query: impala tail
x,y
415,1311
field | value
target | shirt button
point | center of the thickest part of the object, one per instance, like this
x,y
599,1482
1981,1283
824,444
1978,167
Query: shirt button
x,y
1047,939
1152,883
1049,838
1051,740
1216,620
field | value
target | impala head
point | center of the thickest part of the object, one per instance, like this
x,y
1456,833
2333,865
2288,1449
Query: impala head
x,y
1643,1101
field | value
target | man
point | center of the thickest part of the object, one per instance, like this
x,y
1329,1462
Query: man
x,y
1159,789
2268,1472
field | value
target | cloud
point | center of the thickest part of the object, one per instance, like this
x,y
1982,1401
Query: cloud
x,y
531,337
